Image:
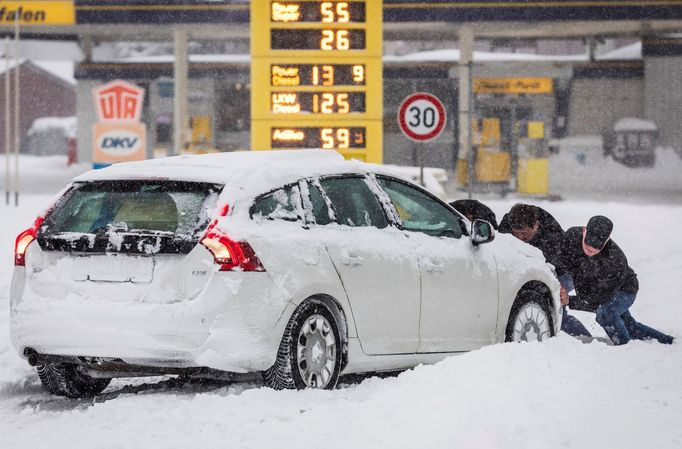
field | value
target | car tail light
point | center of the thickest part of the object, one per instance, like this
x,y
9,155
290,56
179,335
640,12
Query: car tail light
x,y
23,240
231,255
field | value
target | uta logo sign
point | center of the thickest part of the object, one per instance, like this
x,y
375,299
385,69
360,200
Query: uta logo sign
x,y
119,135
119,101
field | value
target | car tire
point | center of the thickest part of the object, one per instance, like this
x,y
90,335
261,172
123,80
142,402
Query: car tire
x,y
529,319
65,379
309,354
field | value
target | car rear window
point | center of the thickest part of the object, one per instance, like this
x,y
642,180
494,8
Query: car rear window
x,y
129,216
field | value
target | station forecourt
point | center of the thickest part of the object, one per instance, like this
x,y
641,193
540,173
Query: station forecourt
x,y
514,104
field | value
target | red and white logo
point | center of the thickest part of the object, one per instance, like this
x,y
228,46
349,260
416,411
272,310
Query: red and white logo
x,y
119,101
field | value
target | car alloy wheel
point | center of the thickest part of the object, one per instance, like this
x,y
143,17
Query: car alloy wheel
x,y
531,324
316,351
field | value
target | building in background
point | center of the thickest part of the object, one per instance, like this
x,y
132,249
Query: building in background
x,y
47,89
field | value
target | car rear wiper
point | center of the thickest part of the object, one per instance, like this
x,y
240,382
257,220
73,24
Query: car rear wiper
x,y
150,233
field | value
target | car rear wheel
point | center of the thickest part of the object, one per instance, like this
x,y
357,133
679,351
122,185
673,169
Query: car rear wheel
x,y
65,379
309,355
530,319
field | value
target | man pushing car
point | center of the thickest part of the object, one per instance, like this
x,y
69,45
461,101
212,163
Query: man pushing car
x,y
538,228
596,269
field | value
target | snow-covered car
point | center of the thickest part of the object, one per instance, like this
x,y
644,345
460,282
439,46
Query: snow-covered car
x,y
294,265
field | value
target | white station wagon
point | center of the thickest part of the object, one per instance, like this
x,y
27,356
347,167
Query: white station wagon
x,y
295,265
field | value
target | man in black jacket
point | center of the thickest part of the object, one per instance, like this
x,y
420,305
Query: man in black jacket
x,y
474,209
538,228
594,267
535,226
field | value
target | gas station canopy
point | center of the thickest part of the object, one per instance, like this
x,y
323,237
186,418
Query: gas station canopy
x,y
229,19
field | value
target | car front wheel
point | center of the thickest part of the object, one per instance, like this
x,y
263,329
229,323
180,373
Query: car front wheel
x,y
530,320
309,355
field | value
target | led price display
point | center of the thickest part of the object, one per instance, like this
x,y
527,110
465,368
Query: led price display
x,y
292,75
328,39
322,12
317,102
319,137
316,76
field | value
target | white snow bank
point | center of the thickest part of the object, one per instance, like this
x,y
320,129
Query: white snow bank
x,y
634,124
559,394
581,170
66,124
41,174
628,52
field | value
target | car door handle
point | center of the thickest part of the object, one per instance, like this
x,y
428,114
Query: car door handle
x,y
432,267
351,260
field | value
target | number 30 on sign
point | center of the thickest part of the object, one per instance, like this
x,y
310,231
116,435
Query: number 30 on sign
x,y
422,117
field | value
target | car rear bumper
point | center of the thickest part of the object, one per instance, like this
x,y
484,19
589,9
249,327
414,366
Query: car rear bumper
x,y
225,329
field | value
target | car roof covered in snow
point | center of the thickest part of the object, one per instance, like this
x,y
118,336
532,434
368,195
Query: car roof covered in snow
x,y
251,172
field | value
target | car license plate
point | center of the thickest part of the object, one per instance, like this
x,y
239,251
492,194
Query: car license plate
x,y
111,268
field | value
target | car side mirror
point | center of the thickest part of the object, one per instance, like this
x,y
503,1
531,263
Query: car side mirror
x,y
481,232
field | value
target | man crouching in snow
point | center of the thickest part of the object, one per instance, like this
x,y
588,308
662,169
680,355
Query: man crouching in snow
x,y
592,265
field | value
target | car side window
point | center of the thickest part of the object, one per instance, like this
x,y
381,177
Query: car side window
x,y
318,205
353,202
281,204
419,212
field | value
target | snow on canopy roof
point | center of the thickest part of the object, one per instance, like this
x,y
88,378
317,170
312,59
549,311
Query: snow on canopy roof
x,y
249,172
634,124
629,52
453,54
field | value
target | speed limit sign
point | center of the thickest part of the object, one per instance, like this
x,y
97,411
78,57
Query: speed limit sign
x,y
421,117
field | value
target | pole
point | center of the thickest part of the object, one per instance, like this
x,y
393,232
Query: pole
x,y
471,163
8,122
466,51
514,156
180,75
421,168
17,131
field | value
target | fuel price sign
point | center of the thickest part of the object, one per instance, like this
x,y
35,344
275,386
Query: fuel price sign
x,y
316,76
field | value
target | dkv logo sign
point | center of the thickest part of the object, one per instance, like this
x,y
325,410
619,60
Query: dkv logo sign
x,y
119,135
120,142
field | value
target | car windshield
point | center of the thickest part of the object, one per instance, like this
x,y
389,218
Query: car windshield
x,y
168,209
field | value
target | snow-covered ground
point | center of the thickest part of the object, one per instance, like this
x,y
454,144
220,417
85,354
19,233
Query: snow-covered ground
x,y
562,393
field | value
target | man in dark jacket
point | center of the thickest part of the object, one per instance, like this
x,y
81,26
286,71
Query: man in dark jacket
x,y
538,228
535,226
595,268
474,209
